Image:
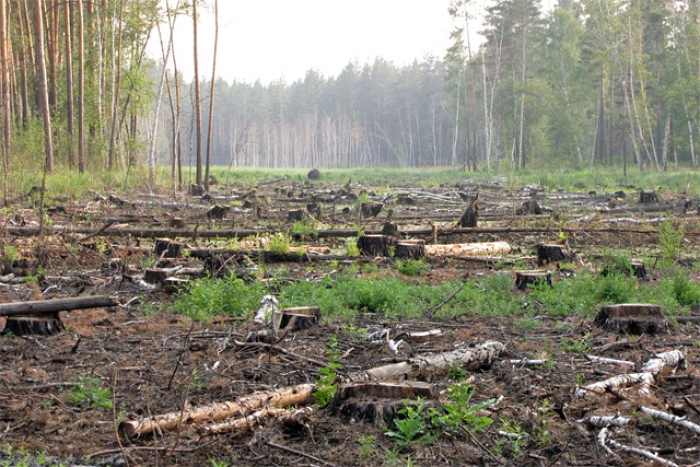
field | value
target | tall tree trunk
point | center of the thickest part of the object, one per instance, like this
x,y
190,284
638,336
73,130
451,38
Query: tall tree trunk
x,y
197,98
67,8
42,89
81,88
52,14
4,93
117,86
211,93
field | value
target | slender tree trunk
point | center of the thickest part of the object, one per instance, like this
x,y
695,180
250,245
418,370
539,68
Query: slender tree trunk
x,y
117,86
4,92
52,47
68,7
41,83
197,98
81,88
665,144
211,94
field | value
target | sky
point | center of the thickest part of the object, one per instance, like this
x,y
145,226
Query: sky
x,y
271,40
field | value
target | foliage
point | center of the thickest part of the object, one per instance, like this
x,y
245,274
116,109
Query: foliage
x,y
87,393
326,384
671,239
686,292
279,244
304,229
351,247
205,298
459,414
411,427
410,267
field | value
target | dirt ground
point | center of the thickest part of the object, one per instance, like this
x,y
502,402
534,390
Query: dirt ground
x,y
157,362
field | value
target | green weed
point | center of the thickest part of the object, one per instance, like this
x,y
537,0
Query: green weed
x,y
413,427
87,393
411,267
671,239
279,244
326,384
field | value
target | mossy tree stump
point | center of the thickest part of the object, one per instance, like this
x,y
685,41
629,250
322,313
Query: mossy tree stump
x,y
548,253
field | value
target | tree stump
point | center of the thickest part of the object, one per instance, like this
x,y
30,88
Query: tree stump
x,y
314,174
648,196
413,249
371,209
315,210
404,390
390,229
374,245
297,215
469,218
530,206
44,325
155,276
196,190
535,277
295,319
548,253
177,223
166,248
218,212
632,318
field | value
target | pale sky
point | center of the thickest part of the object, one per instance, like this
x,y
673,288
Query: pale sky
x,y
282,39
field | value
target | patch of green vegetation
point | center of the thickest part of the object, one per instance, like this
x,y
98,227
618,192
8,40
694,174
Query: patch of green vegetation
x,y
304,230
412,426
351,247
326,384
203,299
411,267
671,239
685,291
459,414
279,244
581,346
87,393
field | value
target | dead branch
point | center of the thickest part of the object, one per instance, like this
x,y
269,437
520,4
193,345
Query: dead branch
x,y
46,307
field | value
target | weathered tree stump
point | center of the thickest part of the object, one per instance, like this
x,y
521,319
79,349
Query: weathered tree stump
x,y
648,196
154,276
166,248
177,223
315,210
390,229
530,206
45,325
196,190
635,267
469,218
371,209
535,277
640,271
314,174
404,390
295,319
374,245
380,412
218,212
298,215
548,253
410,249
632,318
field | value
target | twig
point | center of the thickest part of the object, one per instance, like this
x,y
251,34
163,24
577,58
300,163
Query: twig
x,y
446,301
262,345
481,446
691,405
96,232
299,453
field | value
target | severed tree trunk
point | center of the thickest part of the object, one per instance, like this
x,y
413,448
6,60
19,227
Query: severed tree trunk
x,y
197,98
211,93
42,90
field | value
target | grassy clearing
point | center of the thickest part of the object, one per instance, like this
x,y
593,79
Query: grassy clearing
x,y
345,297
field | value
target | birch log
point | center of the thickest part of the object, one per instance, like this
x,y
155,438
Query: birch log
x,y
469,249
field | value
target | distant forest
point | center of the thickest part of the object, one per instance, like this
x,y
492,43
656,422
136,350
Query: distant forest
x,y
591,82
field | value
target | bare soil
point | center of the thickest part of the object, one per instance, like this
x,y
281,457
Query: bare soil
x,y
157,362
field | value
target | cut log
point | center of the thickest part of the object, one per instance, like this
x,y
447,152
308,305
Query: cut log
x,y
536,277
295,319
548,253
468,249
371,209
293,396
632,318
49,307
405,390
648,197
374,245
410,250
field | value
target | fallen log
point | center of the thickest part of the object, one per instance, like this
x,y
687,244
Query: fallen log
x,y
46,307
468,249
291,396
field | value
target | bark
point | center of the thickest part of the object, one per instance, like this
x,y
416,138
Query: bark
x,y
116,93
81,88
5,96
52,306
42,89
197,99
211,94
468,249
67,9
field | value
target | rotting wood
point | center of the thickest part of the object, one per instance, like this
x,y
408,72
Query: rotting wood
x,y
47,307
523,279
291,396
371,209
469,249
632,318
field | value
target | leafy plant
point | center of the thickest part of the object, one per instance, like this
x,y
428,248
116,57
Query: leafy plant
x,y
351,247
456,372
279,244
411,267
459,413
582,345
516,437
685,291
304,229
367,443
412,427
326,384
203,299
87,393
671,239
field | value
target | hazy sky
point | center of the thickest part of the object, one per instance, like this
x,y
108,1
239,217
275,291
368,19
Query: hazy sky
x,y
273,39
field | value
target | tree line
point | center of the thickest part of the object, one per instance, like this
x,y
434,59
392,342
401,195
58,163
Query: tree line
x,y
589,82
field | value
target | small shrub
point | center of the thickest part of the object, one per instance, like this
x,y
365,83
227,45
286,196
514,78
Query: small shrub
x,y
351,247
410,267
205,298
412,428
279,244
671,239
685,291
88,393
